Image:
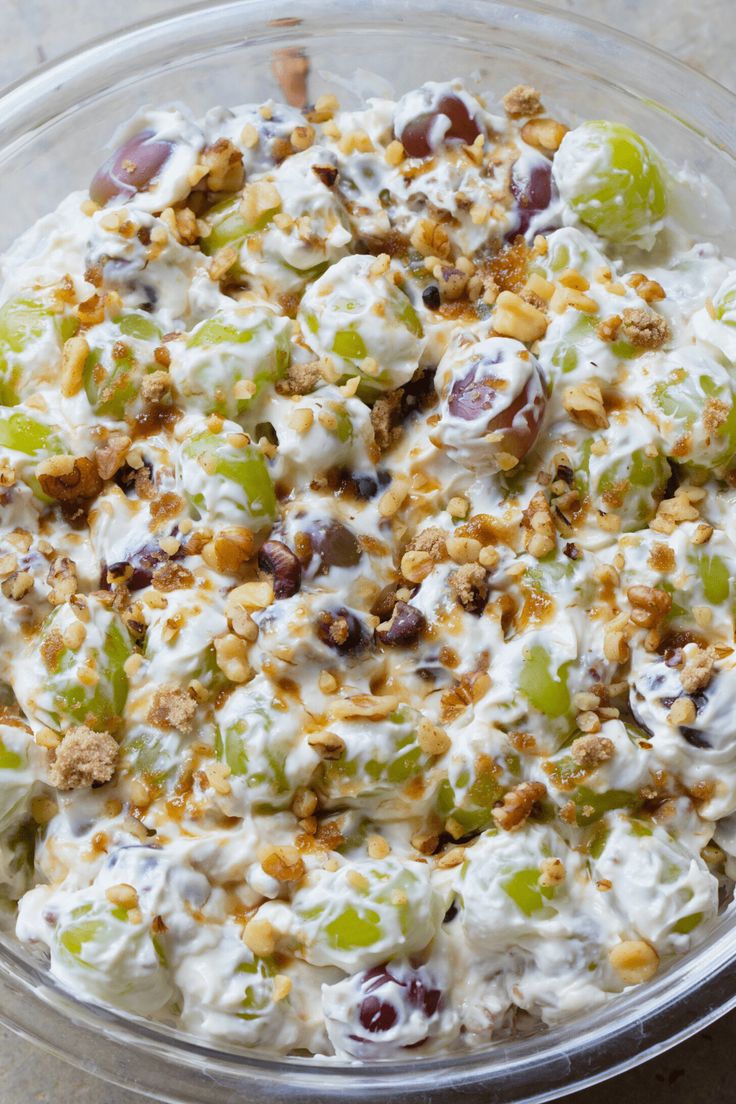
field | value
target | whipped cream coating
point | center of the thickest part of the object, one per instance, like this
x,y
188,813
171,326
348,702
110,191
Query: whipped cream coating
x,y
367,574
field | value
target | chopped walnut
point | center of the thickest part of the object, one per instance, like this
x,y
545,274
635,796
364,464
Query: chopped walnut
x,y
522,101
584,403
17,585
518,804
285,864
110,457
84,758
469,584
651,605
671,512
224,164
62,579
643,328
592,750
69,478
540,536
172,708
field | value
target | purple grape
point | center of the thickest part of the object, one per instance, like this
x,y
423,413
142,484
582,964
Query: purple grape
x,y
533,190
415,137
471,397
131,168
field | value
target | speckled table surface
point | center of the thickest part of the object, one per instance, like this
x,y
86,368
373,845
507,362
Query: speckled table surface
x,y
703,34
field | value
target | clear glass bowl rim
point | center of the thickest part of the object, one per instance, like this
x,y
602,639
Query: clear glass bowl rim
x,y
173,1067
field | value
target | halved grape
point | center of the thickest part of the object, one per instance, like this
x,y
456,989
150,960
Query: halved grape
x,y
613,181
338,436
33,439
466,797
384,1010
505,898
533,190
364,323
16,772
227,480
544,686
228,225
660,888
629,477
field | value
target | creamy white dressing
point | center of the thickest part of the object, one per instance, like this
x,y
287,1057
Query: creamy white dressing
x,y
412,777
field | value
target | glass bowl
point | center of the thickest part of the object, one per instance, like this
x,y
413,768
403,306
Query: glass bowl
x,y
52,129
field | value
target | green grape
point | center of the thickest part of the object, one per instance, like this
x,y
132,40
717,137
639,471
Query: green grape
x,y
724,301
367,912
250,345
114,368
382,759
24,434
261,741
697,412
466,797
627,482
228,483
112,956
151,754
591,806
364,323
525,891
613,181
17,851
544,689
715,577
16,775
258,992
67,699
32,438
687,924
228,226
23,322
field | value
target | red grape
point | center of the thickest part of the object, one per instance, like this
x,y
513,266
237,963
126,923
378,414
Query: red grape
x,y
131,168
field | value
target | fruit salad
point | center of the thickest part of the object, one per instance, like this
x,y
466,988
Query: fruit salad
x,y
367,490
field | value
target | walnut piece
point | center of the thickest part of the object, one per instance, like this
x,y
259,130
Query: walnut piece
x,y
84,758
517,805
69,478
111,456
